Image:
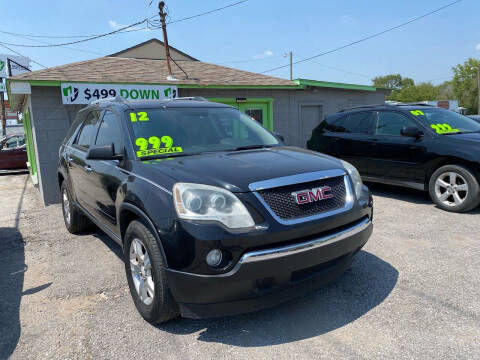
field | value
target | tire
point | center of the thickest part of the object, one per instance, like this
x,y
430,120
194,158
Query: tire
x,y
75,221
454,188
156,305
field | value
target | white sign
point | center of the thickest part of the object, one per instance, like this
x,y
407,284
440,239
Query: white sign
x,y
17,65
75,93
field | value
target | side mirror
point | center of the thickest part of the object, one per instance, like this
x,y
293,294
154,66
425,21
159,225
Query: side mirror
x,y
102,152
279,136
411,131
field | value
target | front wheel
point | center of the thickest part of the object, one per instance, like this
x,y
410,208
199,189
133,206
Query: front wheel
x,y
454,188
75,222
145,270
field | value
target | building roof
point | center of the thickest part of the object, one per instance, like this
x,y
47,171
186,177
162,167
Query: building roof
x,y
328,84
148,71
159,46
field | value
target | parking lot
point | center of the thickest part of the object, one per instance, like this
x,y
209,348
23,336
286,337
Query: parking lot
x,y
413,292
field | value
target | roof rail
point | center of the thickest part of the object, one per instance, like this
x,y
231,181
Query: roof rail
x,y
364,107
417,104
191,98
108,99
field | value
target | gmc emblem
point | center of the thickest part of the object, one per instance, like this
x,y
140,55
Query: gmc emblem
x,y
313,195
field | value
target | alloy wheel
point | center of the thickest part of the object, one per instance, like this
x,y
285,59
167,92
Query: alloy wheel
x,y
451,188
141,269
66,206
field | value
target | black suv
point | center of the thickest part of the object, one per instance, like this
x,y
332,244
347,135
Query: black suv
x,y
417,146
214,214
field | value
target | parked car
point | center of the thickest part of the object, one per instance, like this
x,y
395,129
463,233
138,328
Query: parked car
x,y
13,153
475,117
421,147
214,214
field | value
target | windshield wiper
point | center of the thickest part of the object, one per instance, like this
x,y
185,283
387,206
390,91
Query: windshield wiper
x,y
248,147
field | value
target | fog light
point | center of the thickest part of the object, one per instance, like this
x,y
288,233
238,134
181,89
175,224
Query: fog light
x,y
214,258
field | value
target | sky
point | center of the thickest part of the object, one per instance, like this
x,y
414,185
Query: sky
x,y
255,35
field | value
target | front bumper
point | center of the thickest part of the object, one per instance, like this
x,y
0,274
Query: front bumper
x,y
264,278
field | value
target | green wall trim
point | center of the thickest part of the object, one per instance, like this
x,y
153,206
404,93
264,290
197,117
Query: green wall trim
x,y
180,86
315,83
27,124
268,102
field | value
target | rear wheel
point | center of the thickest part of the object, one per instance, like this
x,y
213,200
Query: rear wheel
x,y
454,188
75,221
145,270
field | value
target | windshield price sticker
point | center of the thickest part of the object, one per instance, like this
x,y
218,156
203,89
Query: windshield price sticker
x,y
443,128
143,153
155,141
140,116
417,112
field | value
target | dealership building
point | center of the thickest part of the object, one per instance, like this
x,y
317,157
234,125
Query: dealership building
x,y
49,99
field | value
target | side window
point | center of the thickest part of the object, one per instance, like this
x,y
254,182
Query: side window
x,y
336,125
12,143
357,123
88,131
21,141
109,132
360,123
391,123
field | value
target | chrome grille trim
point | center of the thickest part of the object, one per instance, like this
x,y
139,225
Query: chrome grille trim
x,y
303,178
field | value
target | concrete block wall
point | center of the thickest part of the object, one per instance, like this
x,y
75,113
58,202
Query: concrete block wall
x,y
50,123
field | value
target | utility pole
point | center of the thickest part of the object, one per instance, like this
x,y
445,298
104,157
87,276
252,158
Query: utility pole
x,y
291,65
478,84
162,13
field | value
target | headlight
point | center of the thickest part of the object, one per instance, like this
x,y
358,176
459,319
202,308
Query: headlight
x,y
205,202
355,176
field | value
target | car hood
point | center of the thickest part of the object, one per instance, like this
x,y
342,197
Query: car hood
x,y
473,137
234,171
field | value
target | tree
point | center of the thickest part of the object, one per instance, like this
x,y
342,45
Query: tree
x,y
392,81
465,84
445,91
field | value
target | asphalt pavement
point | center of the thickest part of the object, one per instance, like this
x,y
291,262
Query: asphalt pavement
x,y
412,292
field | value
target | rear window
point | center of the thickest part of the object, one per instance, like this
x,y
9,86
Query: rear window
x,y
356,123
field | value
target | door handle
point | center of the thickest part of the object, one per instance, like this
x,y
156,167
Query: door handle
x,y
88,169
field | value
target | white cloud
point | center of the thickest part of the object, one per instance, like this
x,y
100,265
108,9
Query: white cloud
x,y
477,47
265,54
116,26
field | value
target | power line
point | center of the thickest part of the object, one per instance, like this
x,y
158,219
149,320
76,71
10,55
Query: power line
x,y
208,12
119,31
16,52
335,68
78,41
366,38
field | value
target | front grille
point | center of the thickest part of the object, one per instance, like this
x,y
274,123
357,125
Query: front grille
x,y
282,203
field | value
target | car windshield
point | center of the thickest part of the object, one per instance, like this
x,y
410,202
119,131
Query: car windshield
x,y
187,131
446,121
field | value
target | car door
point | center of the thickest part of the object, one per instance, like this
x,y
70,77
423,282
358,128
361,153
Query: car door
x,y
79,167
13,154
106,176
395,156
353,139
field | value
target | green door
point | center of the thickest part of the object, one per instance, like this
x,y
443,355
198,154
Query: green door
x,y
260,109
